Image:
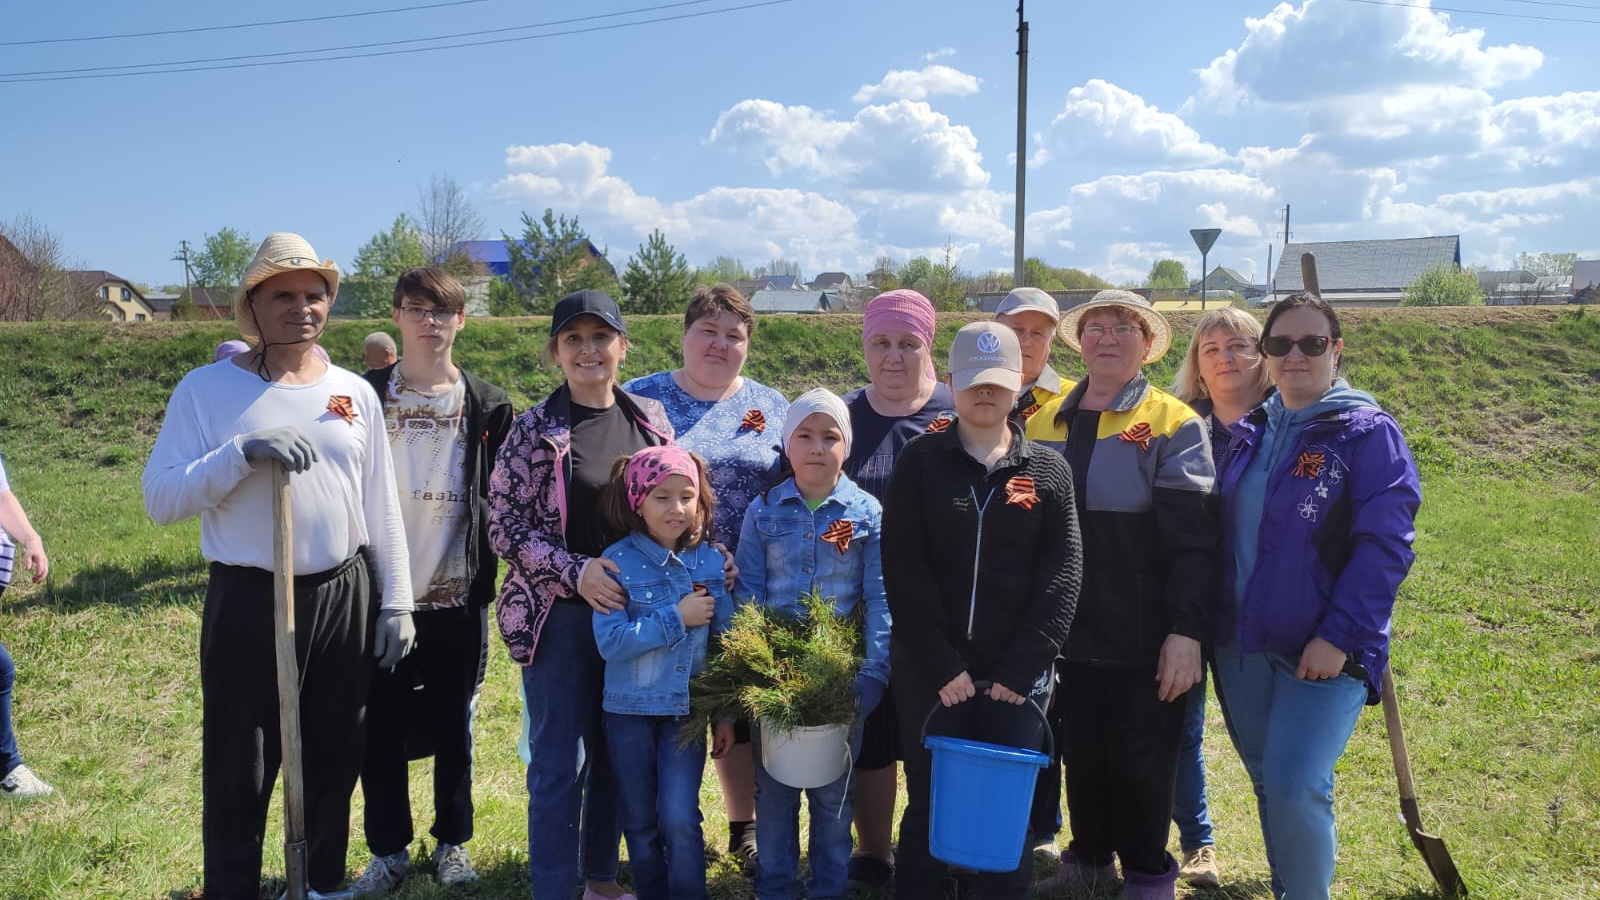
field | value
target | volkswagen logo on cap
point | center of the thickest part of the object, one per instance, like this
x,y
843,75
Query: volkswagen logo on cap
x,y
988,342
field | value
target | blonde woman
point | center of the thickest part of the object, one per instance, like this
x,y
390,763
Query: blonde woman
x,y
1221,378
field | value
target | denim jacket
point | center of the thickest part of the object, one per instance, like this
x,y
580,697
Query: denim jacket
x,y
783,554
650,656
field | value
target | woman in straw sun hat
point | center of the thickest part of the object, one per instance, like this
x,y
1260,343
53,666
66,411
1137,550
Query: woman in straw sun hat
x,y
1144,478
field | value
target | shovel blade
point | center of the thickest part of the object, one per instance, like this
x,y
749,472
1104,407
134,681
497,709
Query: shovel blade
x,y
1434,854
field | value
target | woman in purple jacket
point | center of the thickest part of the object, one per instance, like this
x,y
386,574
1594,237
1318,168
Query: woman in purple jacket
x,y
544,521
1319,497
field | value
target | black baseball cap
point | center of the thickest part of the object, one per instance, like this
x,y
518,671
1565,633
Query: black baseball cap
x,y
587,302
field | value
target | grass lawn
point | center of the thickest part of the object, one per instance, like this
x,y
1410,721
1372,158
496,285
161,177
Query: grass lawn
x,y
1497,654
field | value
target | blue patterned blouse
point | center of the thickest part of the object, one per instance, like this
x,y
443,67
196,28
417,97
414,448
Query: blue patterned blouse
x,y
741,450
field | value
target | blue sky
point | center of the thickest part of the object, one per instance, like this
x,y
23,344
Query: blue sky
x,y
827,131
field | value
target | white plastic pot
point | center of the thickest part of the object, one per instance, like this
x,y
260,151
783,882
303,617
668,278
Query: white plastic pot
x,y
806,757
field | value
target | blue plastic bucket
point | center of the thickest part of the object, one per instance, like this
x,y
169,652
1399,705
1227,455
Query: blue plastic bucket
x,y
980,796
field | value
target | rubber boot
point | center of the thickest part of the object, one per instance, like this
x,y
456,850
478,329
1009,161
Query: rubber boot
x,y
1139,886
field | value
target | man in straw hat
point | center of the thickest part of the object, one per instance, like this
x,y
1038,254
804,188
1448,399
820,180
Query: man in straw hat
x,y
1144,478
225,424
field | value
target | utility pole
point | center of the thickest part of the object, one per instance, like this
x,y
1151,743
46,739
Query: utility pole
x,y
1022,142
1287,234
183,256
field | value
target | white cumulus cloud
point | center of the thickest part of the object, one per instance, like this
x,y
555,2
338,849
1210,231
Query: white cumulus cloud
x,y
1103,123
919,84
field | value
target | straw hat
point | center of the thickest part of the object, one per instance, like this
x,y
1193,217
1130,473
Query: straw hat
x,y
282,252
1154,322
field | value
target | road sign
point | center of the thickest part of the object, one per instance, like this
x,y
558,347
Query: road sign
x,y
1204,238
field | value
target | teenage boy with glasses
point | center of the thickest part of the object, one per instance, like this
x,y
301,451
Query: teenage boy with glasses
x,y
445,427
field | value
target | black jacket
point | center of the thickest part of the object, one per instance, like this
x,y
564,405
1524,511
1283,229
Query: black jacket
x,y
980,578
488,419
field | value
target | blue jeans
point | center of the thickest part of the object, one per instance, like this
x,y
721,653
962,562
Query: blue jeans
x,y
1190,811
572,794
9,757
778,831
1289,733
658,783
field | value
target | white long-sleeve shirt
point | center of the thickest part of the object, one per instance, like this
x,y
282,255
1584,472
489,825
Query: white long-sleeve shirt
x,y
346,499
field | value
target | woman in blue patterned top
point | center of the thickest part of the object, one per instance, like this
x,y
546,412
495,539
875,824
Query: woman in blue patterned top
x,y
733,423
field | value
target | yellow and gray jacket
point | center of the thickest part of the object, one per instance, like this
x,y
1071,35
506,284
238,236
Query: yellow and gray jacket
x,y
1048,386
1148,511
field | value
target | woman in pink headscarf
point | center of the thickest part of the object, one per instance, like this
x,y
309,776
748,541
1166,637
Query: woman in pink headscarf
x,y
903,400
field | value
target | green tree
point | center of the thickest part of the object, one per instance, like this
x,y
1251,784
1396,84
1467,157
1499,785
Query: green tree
x,y
1547,263
222,262
550,260
1168,273
722,270
1443,285
183,309
369,291
915,274
947,283
656,279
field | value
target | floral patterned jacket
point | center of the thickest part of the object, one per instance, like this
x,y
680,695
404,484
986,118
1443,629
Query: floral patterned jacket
x,y
528,513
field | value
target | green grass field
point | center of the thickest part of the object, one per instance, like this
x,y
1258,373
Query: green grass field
x,y
1497,653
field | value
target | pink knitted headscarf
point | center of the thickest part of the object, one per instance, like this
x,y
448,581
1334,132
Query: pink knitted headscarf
x,y
901,310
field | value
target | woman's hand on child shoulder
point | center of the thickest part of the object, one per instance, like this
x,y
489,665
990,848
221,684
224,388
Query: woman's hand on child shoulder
x,y
695,609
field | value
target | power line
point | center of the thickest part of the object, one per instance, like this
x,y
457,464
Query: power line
x,y
327,18
366,46
1479,12
4,79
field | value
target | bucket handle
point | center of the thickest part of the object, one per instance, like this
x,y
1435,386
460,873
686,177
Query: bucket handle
x,y
980,686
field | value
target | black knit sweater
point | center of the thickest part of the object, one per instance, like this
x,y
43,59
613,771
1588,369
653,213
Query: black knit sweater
x,y
980,579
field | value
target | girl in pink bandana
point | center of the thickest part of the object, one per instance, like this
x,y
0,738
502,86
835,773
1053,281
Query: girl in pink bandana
x,y
673,582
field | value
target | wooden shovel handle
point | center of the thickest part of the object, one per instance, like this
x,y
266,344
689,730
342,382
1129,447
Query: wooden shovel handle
x,y
1308,274
1397,738
283,633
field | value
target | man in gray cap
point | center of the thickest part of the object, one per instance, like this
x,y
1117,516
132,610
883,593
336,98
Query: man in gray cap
x,y
225,426
1032,314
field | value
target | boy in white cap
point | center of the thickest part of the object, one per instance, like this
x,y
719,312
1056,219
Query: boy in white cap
x,y
225,424
1032,315
981,561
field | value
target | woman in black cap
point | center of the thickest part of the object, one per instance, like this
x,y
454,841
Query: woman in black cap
x,y
544,521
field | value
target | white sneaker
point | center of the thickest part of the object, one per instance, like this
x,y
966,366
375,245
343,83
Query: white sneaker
x,y
451,865
383,874
23,784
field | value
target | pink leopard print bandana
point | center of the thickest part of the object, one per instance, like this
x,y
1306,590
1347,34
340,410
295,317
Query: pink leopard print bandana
x,y
649,467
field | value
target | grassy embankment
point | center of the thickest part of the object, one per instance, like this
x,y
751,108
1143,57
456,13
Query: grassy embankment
x,y
1497,652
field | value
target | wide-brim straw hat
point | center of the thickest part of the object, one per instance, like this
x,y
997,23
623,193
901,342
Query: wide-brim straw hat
x,y
1154,322
282,252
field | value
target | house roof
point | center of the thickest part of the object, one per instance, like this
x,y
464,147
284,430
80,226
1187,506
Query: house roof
x,y
1355,266
748,286
492,252
829,279
1229,273
780,282
85,279
769,301
1504,276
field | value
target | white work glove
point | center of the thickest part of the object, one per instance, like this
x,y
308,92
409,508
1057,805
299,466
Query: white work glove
x,y
396,634
284,444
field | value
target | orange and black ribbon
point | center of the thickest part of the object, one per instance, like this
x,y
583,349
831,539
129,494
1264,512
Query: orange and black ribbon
x,y
754,421
1310,465
1139,434
342,406
1030,410
1019,490
840,533
940,423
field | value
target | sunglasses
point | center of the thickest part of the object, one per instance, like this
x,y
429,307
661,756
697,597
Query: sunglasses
x,y
1315,345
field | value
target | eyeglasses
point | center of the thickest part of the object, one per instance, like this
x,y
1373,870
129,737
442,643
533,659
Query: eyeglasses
x,y
1097,332
426,313
1315,345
